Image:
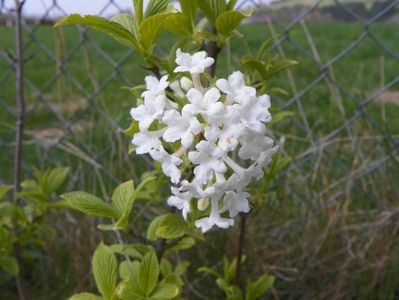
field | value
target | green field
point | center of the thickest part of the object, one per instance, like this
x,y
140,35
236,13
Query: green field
x,y
293,234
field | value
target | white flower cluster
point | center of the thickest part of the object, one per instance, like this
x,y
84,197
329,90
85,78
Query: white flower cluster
x,y
215,126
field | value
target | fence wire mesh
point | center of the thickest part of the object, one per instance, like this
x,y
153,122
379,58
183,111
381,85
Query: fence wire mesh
x,y
343,138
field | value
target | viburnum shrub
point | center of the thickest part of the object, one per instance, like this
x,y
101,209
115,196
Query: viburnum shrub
x,y
211,137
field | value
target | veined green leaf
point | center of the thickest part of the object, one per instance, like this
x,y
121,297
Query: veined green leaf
x,y
183,244
258,288
254,65
179,23
156,7
127,22
229,20
85,296
90,205
126,249
130,271
279,66
212,8
266,45
231,4
151,230
114,29
105,268
56,177
149,272
189,9
4,189
150,29
123,197
171,226
129,290
165,291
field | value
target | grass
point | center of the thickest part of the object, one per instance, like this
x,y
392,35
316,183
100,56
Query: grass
x,y
322,229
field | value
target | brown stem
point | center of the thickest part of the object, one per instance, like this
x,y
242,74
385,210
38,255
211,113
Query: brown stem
x,y
240,247
19,124
213,51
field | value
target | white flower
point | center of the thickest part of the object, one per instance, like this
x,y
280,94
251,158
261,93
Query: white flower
x,y
145,141
252,144
235,88
208,158
235,203
175,86
194,64
155,87
181,127
151,110
255,113
265,157
225,128
214,219
169,163
180,200
206,104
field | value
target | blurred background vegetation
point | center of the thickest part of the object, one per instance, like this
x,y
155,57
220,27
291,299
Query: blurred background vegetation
x,y
327,227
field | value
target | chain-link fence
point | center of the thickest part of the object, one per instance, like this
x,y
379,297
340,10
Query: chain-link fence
x,y
343,136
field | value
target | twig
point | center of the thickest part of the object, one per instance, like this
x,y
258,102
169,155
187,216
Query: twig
x,y
213,51
19,125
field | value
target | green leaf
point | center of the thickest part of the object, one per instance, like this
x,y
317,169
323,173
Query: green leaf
x,y
209,271
132,130
4,189
212,8
150,29
229,269
183,244
228,21
55,178
282,116
105,268
266,45
130,271
258,288
128,290
123,196
127,22
114,29
126,249
279,66
166,268
90,205
138,10
151,230
231,4
189,9
165,291
179,23
149,272
10,265
85,296
254,65
171,226
156,7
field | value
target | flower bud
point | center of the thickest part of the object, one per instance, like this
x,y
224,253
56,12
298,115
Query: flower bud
x,y
203,204
186,83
